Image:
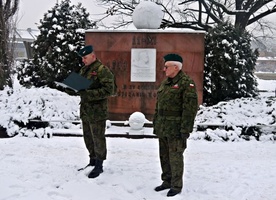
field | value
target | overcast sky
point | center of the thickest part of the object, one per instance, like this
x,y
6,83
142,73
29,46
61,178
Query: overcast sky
x,y
31,11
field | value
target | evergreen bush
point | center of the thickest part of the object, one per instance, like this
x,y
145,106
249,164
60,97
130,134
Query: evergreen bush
x,y
55,49
229,65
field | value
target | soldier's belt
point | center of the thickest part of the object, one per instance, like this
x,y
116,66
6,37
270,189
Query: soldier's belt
x,y
169,113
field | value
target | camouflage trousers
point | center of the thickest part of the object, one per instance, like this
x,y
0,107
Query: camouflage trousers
x,y
94,138
172,163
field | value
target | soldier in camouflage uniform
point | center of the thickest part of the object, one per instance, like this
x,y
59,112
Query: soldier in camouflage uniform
x,y
175,111
94,109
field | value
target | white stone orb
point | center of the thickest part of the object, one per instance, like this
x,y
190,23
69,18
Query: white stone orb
x,y
137,120
147,15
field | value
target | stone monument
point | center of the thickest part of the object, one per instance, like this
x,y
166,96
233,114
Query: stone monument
x,y
136,58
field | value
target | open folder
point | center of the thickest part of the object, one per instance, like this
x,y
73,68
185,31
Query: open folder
x,y
75,82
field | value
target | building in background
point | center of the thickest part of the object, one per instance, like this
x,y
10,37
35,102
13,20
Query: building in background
x,y
267,56
23,41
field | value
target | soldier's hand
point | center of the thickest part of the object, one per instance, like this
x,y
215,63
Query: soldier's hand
x,y
70,92
80,92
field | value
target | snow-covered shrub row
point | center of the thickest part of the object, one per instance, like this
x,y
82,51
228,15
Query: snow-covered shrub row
x,y
242,117
235,134
19,105
244,111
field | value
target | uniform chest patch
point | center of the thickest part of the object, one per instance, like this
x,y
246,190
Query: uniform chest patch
x,y
175,86
93,73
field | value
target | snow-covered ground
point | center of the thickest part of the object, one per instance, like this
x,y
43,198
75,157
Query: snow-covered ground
x,y
46,168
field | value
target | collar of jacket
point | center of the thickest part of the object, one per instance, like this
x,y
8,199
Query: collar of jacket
x,y
175,79
95,65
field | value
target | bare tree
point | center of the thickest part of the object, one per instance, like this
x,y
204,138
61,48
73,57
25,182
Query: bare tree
x,y
197,14
242,12
8,9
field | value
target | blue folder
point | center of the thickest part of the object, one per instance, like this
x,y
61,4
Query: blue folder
x,y
75,82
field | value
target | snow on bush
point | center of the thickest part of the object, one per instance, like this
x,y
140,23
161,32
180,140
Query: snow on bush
x,y
21,104
239,119
240,112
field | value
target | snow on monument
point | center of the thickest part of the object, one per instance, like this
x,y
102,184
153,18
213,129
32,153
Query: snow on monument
x,y
147,15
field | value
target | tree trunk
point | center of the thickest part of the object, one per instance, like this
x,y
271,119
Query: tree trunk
x,y
8,9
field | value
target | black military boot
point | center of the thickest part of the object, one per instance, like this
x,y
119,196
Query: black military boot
x,y
98,169
161,187
92,162
173,192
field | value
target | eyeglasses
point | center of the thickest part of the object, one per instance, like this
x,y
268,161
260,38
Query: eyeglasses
x,y
166,67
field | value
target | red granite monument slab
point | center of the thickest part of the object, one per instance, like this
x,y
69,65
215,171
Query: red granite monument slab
x,y
137,83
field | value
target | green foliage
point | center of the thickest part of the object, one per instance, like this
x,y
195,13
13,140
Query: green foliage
x,y
55,49
229,65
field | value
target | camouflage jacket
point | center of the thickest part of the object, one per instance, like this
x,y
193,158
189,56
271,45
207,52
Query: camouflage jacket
x,y
176,106
94,99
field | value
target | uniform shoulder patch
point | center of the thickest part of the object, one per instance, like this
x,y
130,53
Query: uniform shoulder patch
x,y
192,85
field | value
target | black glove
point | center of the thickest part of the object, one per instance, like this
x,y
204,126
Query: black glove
x,y
82,91
70,92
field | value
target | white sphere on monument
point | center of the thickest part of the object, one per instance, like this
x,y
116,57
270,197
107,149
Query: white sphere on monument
x,y
137,120
147,15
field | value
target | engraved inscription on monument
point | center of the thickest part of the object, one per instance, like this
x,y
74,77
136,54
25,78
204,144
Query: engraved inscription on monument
x,y
143,62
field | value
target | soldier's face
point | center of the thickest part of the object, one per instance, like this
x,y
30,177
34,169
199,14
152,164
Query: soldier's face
x,y
89,59
170,70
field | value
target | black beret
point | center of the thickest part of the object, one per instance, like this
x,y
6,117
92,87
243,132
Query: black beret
x,y
173,57
86,50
